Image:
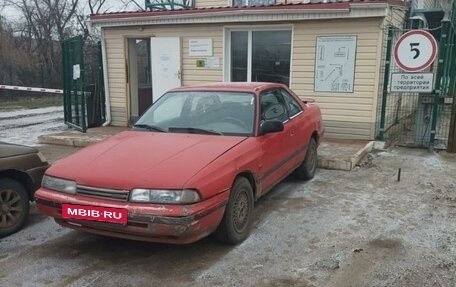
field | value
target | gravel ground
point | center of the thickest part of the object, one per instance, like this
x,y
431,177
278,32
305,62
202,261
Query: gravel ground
x,y
359,228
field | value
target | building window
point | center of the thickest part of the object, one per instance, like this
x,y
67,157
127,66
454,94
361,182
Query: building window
x,y
260,56
253,2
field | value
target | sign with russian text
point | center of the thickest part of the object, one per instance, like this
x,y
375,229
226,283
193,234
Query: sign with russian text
x,y
200,47
412,82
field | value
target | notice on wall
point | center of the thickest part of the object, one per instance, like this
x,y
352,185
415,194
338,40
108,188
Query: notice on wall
x,y
213,62
335,64
412,82
200,47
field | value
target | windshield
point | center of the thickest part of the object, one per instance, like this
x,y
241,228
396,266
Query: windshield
x,y
218,113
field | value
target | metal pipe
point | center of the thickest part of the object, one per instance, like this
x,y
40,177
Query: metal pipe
x,y
105,79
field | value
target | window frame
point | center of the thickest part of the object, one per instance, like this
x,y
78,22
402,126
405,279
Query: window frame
x,y
250,29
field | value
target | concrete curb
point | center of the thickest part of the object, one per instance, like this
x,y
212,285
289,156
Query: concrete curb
x,y
68,140
349,163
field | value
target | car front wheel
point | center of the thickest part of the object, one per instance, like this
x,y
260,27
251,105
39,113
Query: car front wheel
x,y
237,220
14,206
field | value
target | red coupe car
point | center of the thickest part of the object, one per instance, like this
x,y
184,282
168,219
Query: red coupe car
x,y
192,165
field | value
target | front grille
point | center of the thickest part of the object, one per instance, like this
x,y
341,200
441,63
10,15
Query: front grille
x,y
114,194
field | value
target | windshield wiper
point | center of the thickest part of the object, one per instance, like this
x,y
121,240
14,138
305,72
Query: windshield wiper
x,y
194,130
149,127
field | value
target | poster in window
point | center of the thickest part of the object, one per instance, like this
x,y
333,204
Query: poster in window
x,y
335,64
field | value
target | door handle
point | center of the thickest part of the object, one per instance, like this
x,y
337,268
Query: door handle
x,y
292,133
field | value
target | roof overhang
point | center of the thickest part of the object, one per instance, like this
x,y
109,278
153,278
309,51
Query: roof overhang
x,y
296,12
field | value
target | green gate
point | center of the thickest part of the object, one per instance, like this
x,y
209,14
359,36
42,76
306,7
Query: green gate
x,y
445,86
422,119
74,100
83,85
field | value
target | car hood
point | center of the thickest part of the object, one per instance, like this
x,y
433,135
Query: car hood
x,y
7,150
137,159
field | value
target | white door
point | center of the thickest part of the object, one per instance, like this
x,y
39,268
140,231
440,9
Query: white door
x,y
166,65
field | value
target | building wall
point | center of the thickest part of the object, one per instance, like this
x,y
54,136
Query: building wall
x,y
116,51
346,115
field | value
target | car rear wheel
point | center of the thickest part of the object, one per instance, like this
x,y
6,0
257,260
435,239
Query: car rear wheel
x,y
308,167
14,206
237,220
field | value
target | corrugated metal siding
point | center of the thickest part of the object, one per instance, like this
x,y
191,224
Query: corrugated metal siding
x,y
191,75
346,115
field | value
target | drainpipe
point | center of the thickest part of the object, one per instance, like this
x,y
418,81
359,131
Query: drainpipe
x,y
105,79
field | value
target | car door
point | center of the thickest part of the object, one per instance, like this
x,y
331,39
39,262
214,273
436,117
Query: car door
x,y
300,126
276,148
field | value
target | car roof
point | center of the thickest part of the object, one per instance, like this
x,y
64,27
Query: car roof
x,y
251,87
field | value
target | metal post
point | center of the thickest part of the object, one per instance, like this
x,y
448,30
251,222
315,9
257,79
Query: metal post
x,y
451,91
386,82
438,80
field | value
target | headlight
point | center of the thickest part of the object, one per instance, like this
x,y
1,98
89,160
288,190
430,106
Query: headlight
x,y
63,185
164,196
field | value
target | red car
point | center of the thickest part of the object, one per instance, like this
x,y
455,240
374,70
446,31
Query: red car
x,y
192,165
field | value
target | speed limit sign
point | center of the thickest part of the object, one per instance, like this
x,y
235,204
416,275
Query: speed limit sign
x,y
415,51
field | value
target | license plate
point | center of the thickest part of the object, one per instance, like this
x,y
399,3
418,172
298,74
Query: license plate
x,y
96,213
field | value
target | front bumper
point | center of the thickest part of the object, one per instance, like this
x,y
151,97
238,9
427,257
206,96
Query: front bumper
x,y
179,224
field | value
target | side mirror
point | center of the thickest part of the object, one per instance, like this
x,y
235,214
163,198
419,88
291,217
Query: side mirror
x,y
268,127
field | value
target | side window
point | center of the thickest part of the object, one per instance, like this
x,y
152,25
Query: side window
x,y
292,106
272,106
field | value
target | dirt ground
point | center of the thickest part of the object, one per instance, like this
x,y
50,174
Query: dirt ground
x,y
359,228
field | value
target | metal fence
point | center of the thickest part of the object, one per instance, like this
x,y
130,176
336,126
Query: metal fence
x,y
420,119
83,87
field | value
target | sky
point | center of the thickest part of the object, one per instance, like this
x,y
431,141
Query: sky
x,y
109,6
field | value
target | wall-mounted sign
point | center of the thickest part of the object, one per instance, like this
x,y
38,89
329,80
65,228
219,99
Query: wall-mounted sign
x,y
412,82
200,63
200,47
335,64
213,62
415,51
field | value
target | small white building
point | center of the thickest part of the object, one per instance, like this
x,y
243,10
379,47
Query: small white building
x,y
329,51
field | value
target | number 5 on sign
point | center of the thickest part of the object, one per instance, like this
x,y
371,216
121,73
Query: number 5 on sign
x,y
415,51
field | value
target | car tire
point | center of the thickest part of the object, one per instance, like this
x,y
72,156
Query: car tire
x,y
308,167
237,220
14,206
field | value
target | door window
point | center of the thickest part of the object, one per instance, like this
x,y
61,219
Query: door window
x,y
272,106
